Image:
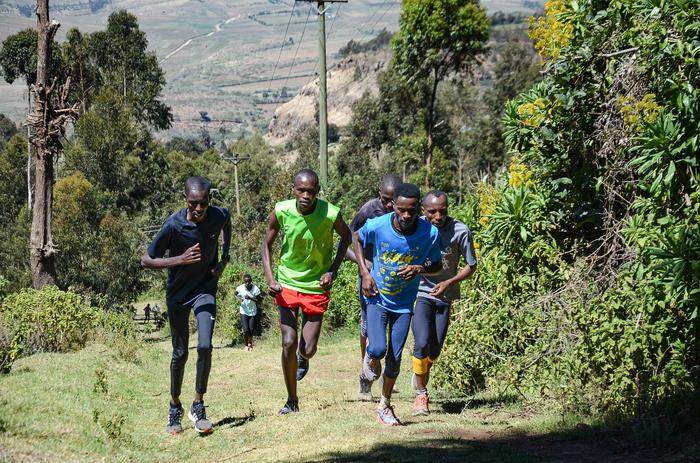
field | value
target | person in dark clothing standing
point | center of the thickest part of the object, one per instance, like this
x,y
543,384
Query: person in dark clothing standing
x,y
190,238
375,207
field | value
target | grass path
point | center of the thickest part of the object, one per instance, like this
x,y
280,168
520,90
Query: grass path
x,y
94,406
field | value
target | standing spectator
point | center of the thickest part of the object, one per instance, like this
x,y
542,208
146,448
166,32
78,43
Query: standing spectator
x,y
250,295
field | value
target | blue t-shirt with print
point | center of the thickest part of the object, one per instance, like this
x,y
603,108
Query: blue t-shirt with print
x,y
392,250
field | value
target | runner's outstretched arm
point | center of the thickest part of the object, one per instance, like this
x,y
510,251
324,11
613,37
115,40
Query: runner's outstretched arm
x,y
342,229
462,275
190,256
273,228
369,286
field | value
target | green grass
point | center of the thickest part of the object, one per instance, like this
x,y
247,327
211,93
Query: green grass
x,y
48,403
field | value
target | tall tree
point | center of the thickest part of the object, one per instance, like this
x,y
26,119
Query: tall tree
x,y
18,59
437,38
48,120
125,65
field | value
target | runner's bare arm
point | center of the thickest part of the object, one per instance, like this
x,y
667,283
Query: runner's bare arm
x,y
464,273
369,286
408,272
342,229
273,228
190,256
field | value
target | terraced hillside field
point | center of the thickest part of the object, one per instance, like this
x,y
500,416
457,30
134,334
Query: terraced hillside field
x,y
220,56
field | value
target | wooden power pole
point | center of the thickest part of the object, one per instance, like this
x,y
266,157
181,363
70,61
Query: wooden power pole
x,y
322,98
235,159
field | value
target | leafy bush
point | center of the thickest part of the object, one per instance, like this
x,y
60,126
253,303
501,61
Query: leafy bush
x,y
587,290
51,320
344,308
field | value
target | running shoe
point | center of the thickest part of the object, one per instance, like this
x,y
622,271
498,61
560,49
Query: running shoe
x,y
370,372
198,415
175,419
365,392
386,416
302,367
292,406
420,405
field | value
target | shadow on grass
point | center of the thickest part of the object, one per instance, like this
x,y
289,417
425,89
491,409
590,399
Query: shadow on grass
x,y
151,340
476,446
458,405
234,422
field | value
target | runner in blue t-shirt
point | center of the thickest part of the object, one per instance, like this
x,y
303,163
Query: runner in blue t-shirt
x,y
404,246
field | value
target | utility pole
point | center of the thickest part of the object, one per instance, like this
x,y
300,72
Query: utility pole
x,y
235,159
322,99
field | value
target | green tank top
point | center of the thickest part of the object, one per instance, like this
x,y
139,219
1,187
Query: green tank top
x,y
307,247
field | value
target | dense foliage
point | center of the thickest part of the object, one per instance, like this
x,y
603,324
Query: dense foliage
x,y
51,320
589,243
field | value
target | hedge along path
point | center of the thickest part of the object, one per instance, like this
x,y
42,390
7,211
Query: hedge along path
x,y
93,405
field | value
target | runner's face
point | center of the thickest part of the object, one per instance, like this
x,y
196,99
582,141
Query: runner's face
x,y
197,204
435,210
248,281
305,191
386,196
406,210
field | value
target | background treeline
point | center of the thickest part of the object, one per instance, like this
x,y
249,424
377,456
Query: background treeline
x,y
574,162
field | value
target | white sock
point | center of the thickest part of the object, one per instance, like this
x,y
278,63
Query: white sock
x,y
384,402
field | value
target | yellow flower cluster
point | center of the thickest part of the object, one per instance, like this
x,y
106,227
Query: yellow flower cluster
x,y
488,200
519,174
636,115
533,113
549,33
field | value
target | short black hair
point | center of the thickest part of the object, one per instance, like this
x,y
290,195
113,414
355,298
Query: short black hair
x,y
307,173
407,190
437,194
390,181
247,275
197,183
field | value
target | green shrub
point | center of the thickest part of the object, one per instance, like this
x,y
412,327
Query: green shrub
x,y
47,320
344,308
51,320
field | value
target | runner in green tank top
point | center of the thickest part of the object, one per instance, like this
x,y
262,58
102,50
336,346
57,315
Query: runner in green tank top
x,y
305,274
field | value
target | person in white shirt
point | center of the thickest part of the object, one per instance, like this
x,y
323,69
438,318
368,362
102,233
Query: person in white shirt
x,y
250,295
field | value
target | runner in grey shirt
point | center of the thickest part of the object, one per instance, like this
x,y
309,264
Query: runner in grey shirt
x,y
437,292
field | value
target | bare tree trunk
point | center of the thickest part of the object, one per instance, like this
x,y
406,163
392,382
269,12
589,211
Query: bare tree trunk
x,y
29,150
46,141
431,119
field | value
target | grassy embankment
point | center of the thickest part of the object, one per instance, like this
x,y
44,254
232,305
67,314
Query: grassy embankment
x,y
92,405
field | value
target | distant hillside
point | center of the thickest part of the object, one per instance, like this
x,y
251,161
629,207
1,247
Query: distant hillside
x,y
220,56
351,78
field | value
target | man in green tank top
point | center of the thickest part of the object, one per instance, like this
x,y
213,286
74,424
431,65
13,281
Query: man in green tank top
x,y
305,273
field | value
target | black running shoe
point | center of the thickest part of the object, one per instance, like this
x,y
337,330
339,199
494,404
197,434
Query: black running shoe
x,y
292,406
302,367
198,415
175,419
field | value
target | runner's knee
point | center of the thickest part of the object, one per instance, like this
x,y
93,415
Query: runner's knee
x,y
289,343
376,350
309,351
180,355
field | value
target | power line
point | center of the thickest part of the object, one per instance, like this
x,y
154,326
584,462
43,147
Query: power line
x,y
297,50
284,40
